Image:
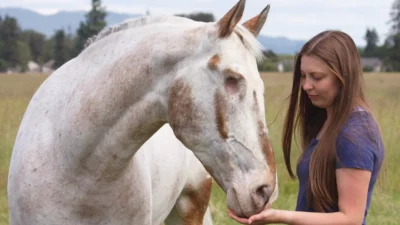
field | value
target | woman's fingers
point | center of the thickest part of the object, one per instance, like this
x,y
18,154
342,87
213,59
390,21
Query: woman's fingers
x,y
238,219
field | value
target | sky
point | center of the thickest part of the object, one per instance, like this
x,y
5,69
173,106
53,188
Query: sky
x,y
294,19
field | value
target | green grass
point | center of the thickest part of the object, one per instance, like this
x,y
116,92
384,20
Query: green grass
x,y
15,93
383,92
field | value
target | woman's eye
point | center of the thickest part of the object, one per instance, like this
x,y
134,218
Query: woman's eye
x,y
317,77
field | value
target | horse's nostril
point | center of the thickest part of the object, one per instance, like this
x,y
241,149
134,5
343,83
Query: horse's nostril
x,y
263,192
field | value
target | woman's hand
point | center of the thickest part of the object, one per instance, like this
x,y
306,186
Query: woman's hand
x,y
266,216
238,219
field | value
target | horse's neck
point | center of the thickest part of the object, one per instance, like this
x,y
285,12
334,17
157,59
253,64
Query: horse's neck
x,y
147,68
136,89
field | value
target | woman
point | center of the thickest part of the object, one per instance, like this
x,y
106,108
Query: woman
x,y
342,149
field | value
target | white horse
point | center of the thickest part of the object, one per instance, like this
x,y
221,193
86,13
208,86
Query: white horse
x,y
180,186
72,161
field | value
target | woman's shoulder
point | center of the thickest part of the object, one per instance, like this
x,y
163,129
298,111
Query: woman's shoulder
x,y
360,122
361,130
359,143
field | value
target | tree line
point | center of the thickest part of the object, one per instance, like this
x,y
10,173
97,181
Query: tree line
x,y
18,46
389,51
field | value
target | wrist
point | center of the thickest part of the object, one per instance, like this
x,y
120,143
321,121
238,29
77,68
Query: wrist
x,y
285,216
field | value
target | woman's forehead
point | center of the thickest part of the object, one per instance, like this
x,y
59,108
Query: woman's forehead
x,y
311,64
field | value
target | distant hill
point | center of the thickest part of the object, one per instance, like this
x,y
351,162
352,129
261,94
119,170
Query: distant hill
x,y
281,45
47,24
70,20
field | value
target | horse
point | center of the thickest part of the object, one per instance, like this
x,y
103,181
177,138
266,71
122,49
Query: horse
x,y
180,186
72,161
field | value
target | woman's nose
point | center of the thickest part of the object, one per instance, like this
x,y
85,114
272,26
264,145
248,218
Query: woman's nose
x,y
307,85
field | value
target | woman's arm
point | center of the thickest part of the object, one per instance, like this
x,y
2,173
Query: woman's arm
x,y
352,187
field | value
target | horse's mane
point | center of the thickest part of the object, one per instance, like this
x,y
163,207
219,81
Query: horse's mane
x,y
248,39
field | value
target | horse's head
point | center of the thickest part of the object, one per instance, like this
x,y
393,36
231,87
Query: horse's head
x,y
216,108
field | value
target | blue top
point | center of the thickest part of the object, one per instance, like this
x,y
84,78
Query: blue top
x,y
356,147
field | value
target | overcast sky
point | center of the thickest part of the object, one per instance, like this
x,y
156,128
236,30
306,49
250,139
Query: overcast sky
x,y
295,19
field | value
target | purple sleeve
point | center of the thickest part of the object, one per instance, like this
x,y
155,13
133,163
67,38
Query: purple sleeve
x,y
355,149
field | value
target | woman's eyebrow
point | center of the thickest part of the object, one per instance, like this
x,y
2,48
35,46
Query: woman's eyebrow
x,y
318,73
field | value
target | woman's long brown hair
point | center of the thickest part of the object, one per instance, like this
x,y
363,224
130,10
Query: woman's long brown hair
x,y
340,54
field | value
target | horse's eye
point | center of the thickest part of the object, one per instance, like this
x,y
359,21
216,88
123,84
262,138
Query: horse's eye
x,y
231,81
231,84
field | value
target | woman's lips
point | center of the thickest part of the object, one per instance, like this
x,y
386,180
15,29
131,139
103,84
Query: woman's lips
x,y
312,96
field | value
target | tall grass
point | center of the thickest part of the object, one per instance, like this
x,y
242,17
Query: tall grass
x,y
383,91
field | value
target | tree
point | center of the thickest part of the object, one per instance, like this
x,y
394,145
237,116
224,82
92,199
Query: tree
x,y
372,39
48,51
60,51
10,32
393,41
94,23
24,55
270,61
36,42
203,17
3,65
395,17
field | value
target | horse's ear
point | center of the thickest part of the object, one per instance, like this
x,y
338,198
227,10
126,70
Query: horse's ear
x,y
228,22
255,24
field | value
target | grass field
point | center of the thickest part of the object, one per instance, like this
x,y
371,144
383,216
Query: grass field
x,y
383,91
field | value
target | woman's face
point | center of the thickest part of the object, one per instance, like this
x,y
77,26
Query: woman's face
x,y
317,80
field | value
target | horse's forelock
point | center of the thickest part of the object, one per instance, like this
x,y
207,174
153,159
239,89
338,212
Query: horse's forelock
x,y
250,42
